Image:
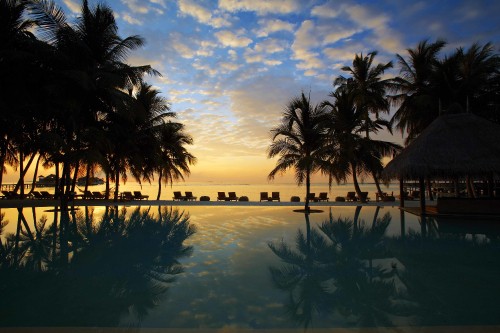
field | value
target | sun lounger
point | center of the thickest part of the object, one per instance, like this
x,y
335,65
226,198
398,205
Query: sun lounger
x,y
127,196
364,197
323,196
275,196
178,196
351,196
139,196
232,196
11,195
311,197
189,196
264,196
221,196
46,195
37,195
97,195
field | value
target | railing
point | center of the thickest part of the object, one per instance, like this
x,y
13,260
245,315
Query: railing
x,y
10,187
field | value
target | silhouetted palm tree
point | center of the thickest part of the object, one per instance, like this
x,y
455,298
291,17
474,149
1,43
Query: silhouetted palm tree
x,y
173,160
352,154
417,100
368,87
299,141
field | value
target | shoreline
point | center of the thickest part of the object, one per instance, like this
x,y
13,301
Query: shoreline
x,y
14,203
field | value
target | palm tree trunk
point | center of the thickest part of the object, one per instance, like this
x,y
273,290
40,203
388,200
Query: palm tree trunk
x,y
377,184
87,177
117,183
308,189
107,185
3,154
22,172
33,183
56,186
355,181
159,184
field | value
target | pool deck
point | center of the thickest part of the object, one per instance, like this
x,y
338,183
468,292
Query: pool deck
x,y
15,203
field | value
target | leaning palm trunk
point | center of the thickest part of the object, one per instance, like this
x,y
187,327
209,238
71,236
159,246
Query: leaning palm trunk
x,y
355,181
33,183
377,184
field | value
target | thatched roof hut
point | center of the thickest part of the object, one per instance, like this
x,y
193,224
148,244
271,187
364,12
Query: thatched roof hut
x,y
453,145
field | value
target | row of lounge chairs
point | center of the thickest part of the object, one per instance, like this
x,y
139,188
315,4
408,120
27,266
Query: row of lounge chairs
x,y
221,196
351,196
323,196
188,197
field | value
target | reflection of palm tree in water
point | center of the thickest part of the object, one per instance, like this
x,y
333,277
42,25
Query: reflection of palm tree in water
x,y
120,266
331,272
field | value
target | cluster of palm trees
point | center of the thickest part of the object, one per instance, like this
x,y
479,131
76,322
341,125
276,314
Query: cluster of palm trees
x,y
71,101
334,137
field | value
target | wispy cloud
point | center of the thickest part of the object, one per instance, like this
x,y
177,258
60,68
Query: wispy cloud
x,y
261,7
202,14
230,39
269,26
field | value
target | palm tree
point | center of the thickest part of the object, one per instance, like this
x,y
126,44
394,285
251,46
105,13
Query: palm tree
x,y
94,75
300,141
417,100
367,86
352,154
173,159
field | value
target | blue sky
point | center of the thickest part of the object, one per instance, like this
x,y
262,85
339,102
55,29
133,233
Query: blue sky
x,y
230,66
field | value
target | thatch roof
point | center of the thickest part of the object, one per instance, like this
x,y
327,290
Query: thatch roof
x,y
452,145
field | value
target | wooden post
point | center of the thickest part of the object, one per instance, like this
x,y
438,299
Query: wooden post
x,y
401,193
422,195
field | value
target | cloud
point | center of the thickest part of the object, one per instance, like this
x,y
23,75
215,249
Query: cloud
x,y
230,39
136,6
201,14
261,7
262,50
326,11
379,23
306,39
269,26
131,20
73,6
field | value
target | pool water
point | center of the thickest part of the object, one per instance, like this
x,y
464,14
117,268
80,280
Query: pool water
x,y
246,268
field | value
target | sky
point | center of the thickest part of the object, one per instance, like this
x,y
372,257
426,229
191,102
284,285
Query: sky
x,y
230,66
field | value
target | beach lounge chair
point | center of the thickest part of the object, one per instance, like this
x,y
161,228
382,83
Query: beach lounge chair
x,y
380,197
364,197
323,196
311,197
221,196
139,196
189,196
97,195
11,195
46,195
351,196
275,196
37,195
87,195
178,196
127,196
232,196
264,196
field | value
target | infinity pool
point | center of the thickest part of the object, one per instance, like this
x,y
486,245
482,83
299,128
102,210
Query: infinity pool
x,y
246,268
